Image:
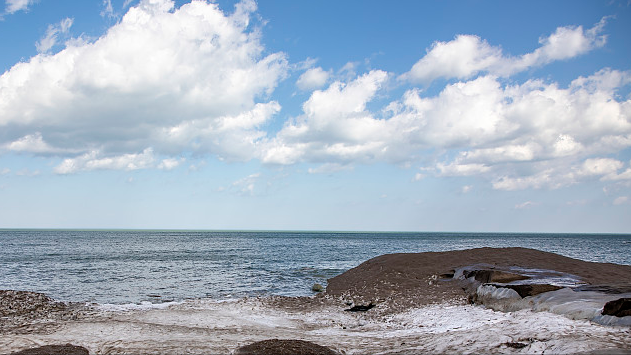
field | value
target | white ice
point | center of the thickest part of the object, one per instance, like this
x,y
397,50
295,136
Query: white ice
x,y
206,326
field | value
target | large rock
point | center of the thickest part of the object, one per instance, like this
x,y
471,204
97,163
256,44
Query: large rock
x,y
618,308
284,347
67,349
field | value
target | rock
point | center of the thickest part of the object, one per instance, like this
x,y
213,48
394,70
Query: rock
x,y
27,304
618,308
487,276
530,290
515,345
317,288
284,347
360,308
67,349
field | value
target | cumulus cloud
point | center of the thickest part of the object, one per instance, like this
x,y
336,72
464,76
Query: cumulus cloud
x,y
335,125
17,5
314,78
167,79
166,82
530,135
467,55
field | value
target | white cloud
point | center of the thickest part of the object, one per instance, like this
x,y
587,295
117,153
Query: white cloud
x,y
108,10
246,185
466,55
5,171
170,163
621,200
191,79
530,135
525,205
312,79
95,161
329,168
335,125
51,37
18,5
466,189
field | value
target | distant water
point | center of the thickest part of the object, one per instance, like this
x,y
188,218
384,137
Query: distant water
x,y
158,266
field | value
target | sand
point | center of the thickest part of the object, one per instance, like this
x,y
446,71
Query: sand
x,y
419,309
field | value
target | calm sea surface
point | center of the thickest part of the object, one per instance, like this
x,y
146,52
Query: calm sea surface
x,y
158,266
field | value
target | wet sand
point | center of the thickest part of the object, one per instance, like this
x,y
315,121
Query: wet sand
x,y
418,309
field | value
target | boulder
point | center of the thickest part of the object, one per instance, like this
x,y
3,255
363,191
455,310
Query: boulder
x,y
67,349
284,347
317,288
618,308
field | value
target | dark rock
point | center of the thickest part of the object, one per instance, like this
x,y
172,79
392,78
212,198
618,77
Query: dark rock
x,y
27,304
317,288
486,276
530,290
67,349
360,308
515,345
618,308
284,347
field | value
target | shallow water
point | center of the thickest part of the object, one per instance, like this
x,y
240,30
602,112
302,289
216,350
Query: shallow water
x,y
122,267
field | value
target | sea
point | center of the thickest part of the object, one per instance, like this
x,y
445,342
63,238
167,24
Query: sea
x,y
159,266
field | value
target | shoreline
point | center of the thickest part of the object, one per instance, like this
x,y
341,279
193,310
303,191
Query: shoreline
x,y
425,302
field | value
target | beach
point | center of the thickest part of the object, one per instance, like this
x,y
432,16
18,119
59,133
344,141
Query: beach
x,y
435,302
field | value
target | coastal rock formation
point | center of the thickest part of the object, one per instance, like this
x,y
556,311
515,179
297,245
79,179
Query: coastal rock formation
x,y
67,349
284,347
400,281
618,308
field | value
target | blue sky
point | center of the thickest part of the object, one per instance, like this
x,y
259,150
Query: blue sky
x,y
326,115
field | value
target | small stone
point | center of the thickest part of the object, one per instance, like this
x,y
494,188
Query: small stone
x,y
317,288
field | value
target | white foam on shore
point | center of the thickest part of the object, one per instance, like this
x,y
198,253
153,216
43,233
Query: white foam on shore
x,y
142,306
207,326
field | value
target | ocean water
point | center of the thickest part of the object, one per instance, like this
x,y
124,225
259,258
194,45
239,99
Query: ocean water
x,y
123,267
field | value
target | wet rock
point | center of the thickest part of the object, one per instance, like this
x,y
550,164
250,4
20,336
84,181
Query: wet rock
x,y
487,276
530,290
67,349
317,288
618,308
284,347
360,308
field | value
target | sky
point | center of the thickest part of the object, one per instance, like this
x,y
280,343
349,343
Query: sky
x,y
471,116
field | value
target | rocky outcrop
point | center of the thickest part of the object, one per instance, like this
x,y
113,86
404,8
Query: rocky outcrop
x,y
67,349
618,308
27,304
284,347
